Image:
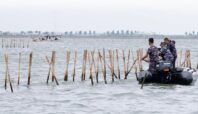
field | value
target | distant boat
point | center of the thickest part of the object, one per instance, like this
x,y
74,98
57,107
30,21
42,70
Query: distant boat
x,y
46,38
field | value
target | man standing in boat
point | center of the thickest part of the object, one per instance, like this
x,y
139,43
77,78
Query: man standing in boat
x,y
171,46
153,55
165,53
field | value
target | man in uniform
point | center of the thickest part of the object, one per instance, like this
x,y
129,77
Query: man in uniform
x,y
153,55
171,46
165,53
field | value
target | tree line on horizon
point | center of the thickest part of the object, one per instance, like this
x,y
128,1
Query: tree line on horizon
x,y
85,33
76,33
192,33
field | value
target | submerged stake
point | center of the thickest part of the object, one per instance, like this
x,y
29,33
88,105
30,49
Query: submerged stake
x,y
19,69
29,69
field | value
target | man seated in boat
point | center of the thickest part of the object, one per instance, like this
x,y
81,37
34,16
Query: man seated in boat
x,y
165,53
171,46
153,55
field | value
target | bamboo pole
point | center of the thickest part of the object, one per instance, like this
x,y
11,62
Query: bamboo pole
x,y
48,76
104,67
82,75
89,61
91,75
136,73
138,57
19,69
74,70
89,58
128,60
67,62
101,60
91,67
53,62
180,59
86,54
189,59
93,59
113,55
139,61
186,61
111,64
97,67
118,67
186,58
53,67
123,56
84,65
8,74
29,69
141,55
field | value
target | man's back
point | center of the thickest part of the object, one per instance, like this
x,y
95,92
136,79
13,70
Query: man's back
x,y
153,54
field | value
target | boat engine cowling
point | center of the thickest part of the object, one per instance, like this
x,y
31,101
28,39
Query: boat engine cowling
x,y
164,66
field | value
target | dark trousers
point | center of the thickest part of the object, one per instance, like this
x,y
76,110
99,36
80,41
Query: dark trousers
x,y
174,61
152,67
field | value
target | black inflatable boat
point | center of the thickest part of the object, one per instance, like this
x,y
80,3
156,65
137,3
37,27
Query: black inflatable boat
x,y
165,74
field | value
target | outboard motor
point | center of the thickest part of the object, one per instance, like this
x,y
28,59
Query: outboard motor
x,y
164,69
164,66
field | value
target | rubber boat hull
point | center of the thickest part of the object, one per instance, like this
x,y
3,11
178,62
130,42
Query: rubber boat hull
x,y
179,76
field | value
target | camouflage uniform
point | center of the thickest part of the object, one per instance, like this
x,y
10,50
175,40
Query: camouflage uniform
x,y
166,55
153,55
171,47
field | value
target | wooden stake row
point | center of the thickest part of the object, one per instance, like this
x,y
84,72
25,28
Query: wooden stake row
x,y
96,62
15,43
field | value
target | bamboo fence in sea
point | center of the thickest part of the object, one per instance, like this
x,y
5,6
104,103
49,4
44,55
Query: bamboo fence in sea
x,y
92,61
15,43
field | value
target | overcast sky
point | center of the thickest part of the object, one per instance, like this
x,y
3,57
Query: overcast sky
x,y
160,16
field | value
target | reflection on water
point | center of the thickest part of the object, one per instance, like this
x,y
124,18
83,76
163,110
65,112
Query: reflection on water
x,y
122,96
